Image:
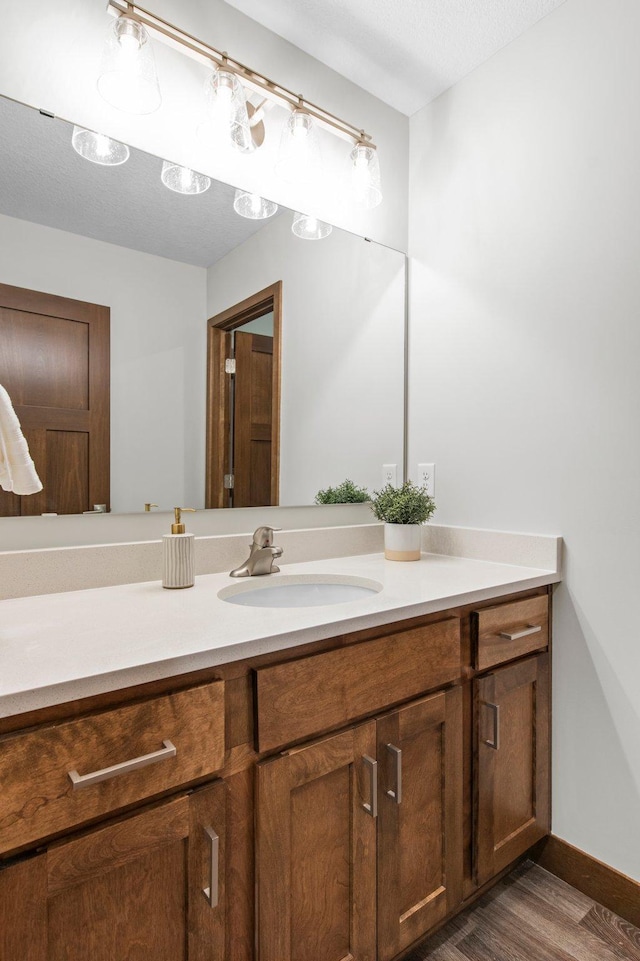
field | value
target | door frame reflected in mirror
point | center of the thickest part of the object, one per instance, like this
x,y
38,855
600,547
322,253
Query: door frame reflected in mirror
x,y
219,404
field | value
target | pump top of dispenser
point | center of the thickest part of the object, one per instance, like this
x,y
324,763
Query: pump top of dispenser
x,y
178,527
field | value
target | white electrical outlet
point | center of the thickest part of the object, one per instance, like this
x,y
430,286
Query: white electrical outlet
x,y
427,478
390,474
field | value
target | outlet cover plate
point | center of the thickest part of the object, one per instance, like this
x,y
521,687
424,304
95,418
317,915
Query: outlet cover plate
x,y
390,474
427,478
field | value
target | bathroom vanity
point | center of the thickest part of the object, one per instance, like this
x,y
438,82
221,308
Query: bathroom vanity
x,y
335,793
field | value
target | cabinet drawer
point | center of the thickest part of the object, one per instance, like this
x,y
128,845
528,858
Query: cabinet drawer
x,y
324,691
133,752
510,630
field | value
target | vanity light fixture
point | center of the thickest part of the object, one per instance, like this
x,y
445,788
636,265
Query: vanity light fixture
x,y
299,158
183,180
226,106
310,228
98,148
227,91
365,175
252,206
128,78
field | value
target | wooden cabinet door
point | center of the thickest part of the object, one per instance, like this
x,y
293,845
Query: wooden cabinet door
x,y
23,910
316,844
207,876
119,891
142,886
512,763
420,819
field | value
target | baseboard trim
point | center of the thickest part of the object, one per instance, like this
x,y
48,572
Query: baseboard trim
x,y
604,884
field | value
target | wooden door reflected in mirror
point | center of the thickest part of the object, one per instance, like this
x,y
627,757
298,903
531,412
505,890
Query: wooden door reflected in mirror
x,y
243,402
54,364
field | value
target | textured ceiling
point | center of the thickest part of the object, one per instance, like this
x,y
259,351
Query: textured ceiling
x,y
405,52
43,180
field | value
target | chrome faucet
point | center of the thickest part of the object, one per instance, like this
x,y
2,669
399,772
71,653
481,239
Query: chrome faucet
x,y
263,553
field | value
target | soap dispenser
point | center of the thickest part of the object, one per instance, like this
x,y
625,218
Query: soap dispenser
x,y
178,567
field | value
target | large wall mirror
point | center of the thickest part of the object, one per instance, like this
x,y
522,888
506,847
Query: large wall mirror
x,y
170,274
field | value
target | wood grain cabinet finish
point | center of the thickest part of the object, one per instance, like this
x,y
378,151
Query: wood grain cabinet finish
x,y
23,910
316,851
350,847
386,793
420,819
507,631
39,799
130,889
512,763
305,697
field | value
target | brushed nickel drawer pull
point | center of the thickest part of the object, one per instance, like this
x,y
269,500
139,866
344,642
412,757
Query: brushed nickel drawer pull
x,y
396,753
531,629
86,780
495,742
211,893
372,808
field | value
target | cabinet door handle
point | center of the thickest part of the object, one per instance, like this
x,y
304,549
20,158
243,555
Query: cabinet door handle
x,y
396,753
86,780
211,893
516,635
372,808
495,742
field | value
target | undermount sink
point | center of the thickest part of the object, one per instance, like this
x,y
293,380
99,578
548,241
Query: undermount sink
x,y
300,590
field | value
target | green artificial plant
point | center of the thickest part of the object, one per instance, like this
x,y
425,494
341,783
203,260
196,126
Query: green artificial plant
x,y
344,493
408,504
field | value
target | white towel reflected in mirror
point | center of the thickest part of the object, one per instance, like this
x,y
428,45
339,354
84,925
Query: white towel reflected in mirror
x,y
17,470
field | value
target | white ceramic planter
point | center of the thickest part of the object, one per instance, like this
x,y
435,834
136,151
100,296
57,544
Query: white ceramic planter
x,y
402,542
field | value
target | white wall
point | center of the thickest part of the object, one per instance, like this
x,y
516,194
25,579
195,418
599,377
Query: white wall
x,y
158,346
49,57
342,351
524,379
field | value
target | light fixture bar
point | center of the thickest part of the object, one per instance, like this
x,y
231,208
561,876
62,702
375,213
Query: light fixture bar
x,y
201,52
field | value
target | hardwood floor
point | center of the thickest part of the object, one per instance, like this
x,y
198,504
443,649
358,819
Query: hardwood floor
x,y
533,916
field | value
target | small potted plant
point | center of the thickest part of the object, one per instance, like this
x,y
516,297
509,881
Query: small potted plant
x,y
344,493
404,510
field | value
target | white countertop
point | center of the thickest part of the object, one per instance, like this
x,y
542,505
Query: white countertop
x,y
61,647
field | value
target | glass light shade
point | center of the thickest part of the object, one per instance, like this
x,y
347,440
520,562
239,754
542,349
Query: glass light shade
x,y
310,228
299,158
226,104
128,78
252,206
183,180
365,176
98,148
